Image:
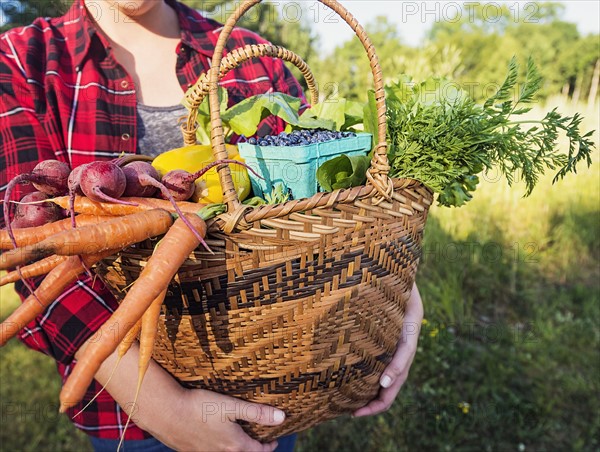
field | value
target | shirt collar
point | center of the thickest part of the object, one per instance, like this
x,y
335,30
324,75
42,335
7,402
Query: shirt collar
x,y
80,30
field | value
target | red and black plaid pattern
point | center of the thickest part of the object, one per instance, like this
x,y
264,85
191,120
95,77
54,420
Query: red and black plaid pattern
x,y
64,96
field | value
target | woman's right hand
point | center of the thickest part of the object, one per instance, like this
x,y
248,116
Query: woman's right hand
x,y
209,423
184,419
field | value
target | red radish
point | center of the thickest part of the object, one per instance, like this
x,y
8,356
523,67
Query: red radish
x,y
38,214
48,176
181,183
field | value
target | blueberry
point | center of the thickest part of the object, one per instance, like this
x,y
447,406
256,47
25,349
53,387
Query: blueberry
x,y
252,140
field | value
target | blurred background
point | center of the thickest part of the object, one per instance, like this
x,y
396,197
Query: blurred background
x,y
509,355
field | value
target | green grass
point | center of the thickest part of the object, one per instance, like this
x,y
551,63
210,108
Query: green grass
x,y
29,387
508,358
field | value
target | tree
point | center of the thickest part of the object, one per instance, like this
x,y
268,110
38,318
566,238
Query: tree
x,y
490,34
284,25
347,73
15,13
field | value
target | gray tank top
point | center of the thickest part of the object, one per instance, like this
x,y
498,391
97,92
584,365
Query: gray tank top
x,y
158,128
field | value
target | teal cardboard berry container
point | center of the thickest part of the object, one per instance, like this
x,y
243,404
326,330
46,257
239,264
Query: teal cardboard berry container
x,y
296,166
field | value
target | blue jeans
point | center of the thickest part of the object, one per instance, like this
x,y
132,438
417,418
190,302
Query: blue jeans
x,y
285,444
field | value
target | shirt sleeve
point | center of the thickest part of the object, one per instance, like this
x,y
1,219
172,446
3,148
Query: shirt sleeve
x,y
84,306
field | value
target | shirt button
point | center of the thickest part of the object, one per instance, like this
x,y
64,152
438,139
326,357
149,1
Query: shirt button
x,y
124,84
125,137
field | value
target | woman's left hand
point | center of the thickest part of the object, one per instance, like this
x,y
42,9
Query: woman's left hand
x,y
396,373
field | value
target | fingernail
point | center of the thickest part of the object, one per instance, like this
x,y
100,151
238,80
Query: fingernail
x,y
385,381
278,416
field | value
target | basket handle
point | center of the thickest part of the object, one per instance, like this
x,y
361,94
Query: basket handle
x,y
377,174
235,58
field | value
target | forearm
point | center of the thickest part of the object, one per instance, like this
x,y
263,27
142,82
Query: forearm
x,y
158,398
180,418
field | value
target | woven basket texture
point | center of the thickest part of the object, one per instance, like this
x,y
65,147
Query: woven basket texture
x,y
301,305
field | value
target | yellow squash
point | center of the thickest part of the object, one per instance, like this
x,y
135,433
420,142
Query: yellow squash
x,y
194,158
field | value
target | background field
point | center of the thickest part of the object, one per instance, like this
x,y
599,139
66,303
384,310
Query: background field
x,y
509,352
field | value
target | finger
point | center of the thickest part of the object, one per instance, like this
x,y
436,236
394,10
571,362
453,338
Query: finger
x,y
383,402
407,346
258,413
399,365
253,445
247,444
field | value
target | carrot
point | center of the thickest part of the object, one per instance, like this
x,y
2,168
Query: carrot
x,y
147,337
173,250
36,269
148,334
85,205
30,236
48,291
127,341
116,233
123,348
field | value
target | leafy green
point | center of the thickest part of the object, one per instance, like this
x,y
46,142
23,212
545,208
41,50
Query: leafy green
x,y
440,136
278,195
244,117
211,211
255,201
343,172
342,113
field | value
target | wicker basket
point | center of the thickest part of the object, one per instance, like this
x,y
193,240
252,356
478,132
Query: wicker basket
x,y
302,304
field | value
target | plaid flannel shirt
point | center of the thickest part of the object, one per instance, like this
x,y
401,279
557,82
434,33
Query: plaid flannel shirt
x,y
64,96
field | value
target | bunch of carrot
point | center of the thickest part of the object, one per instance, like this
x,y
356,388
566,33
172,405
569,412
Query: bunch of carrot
x,y
63,251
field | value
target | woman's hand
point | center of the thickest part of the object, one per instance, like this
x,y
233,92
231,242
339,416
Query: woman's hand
x,y
184,419
396,372
206,420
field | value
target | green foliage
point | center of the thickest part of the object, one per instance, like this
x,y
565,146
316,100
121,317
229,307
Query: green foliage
x,y
533,30
29,395
342,113
244,117
352,82
278,195
343,172
25,11
288,27
440,136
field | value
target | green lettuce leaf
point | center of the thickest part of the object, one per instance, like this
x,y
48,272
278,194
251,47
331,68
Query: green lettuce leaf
x,y
343,172
244,117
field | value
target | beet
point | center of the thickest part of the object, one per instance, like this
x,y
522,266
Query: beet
x,y
180,184
136,174
48,176
143,178
31,215
103,182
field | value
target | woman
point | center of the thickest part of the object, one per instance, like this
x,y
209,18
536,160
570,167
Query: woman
x,y
93,84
